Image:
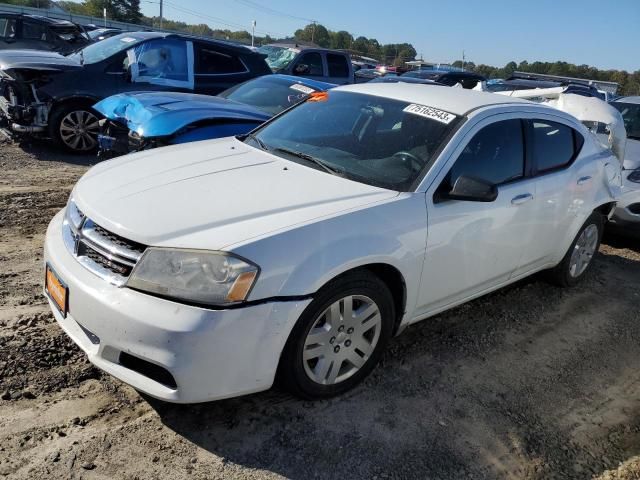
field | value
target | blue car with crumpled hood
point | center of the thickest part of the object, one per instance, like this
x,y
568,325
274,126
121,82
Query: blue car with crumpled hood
x,y
137,121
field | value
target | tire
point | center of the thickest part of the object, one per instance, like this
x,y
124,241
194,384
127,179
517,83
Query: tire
x,y
339,342
74,127
583,248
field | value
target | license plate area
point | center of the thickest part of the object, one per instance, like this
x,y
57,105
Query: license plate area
x,y
56,290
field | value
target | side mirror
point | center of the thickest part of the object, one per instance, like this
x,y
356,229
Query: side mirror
x,y
471,189
301,69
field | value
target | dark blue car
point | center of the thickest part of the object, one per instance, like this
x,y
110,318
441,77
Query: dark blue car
x,y
143,120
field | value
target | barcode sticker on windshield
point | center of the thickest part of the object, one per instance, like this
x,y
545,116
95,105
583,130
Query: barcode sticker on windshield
x,y
430,112
302,88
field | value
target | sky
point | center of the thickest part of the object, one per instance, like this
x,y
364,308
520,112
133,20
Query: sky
x,y
603,33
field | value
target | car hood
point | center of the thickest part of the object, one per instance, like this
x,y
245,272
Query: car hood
x,y
153,114
37,60
212,194
632,154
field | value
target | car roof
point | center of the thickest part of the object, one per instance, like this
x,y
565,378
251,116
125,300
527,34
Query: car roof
x,y
455,100
38,18
146,35
630,99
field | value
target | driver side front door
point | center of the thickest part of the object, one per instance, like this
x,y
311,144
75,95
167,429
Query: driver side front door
x,y
474,246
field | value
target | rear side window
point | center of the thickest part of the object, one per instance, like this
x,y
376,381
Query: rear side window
x,y
553,145
494,154
212,62
34,31
338,66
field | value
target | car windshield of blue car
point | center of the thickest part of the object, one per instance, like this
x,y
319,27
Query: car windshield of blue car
x,y
278,58
373,140
271,95
96,52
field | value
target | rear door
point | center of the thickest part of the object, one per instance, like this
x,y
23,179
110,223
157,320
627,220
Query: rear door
x,y
552,147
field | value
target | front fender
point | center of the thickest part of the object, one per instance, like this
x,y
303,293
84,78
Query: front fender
x,y
301,260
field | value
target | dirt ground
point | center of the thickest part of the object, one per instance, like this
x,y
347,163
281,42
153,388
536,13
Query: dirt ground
x,y
531,382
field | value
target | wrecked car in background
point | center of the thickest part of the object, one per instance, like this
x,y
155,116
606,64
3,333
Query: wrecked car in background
x,y
626,217
50,95
143,120
18,31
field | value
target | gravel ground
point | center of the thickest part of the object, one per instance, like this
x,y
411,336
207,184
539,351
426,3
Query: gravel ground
x,y
531,382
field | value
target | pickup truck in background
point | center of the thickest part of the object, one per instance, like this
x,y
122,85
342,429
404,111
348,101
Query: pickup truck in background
x,y
326,65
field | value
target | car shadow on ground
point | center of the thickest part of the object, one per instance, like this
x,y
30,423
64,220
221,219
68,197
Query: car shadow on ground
x,y
618,239
47,151
501,386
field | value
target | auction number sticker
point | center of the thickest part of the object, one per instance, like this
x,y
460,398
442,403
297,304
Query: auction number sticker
x,y
302,88
430,112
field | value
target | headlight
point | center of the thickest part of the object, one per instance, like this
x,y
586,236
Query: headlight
x,y
200,276
634,176
73,215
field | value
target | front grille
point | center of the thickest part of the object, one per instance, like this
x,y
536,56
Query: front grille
x,y
106,254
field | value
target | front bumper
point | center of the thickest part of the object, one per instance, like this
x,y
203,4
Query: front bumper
x,y
211,354
627,212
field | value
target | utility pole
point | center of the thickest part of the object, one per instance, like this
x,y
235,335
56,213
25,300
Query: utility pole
x,y
253,31
462,59
160,13
313,30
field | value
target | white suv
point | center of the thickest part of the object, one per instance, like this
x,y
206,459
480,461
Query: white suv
x,y
200,271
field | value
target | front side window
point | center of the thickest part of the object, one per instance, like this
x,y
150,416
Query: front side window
x,y
552,145
212,62
7,28
166,61
309,64
338,66
34,31
348,133
494,154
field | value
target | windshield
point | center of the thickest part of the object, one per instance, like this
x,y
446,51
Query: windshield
x,y
278,57
271,95
631,116
374,140
96,52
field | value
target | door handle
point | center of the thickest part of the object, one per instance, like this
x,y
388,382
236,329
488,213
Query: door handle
x,y
583,180
520,199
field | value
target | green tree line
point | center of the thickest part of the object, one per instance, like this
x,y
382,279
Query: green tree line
x,y
629,83
389,54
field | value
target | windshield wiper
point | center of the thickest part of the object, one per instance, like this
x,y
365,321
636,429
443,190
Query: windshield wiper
x,y
312,159
262,145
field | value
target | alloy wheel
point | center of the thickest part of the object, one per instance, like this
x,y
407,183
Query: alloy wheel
x,y
583,251
79,130
341,339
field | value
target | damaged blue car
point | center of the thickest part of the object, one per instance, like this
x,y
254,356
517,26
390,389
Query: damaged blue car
x,y
142,120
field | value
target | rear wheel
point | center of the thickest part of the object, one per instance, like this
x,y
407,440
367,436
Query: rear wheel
x,y
580,255
75,127
339,338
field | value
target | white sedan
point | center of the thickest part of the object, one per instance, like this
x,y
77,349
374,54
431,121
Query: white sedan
x,y
203,271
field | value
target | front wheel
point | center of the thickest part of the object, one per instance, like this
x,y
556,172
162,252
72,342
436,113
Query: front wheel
x,y
75,127
580,255
339,338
